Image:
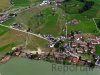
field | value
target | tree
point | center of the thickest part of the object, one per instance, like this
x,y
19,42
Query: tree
x,y
62,48
98,24
67,0
82,0
87,6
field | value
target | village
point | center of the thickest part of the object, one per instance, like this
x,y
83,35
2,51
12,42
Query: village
x,y
74,48
62,52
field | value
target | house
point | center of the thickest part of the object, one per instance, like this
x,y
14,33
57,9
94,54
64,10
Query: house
x,y
45,2
75,21
80,50
74,44
75,60
1,18
93,49
98,41
78,36
98,37
83,44
93,38
94,42
98,61
58,2
86,49
17,48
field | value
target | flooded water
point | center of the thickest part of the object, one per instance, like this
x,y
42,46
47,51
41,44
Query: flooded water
x,y
22,66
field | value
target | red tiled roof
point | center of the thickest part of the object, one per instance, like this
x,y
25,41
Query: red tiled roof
x,y
94,41
74,44
78,36
83,43
75,60
93,38
97,37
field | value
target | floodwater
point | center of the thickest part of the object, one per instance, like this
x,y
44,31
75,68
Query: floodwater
x,y
23,66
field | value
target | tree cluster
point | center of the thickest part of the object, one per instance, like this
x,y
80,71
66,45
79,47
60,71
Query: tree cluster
x,y
87,6
98,24
82,0
66,0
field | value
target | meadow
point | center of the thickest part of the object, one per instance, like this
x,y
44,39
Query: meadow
x,y
46,24
20,2
86,24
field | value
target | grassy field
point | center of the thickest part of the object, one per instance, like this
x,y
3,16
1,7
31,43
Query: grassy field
x,y
20,2
11,38
9,21
86,24
3,30
33,1
72,6
4,4
98,49
47,24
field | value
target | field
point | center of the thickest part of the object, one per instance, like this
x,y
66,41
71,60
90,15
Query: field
x,y
46,24
10,38
4,4
86,24
3,30
72,6
51,24
98,49
9,21
20,2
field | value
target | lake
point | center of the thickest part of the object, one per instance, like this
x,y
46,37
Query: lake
x,y
23,66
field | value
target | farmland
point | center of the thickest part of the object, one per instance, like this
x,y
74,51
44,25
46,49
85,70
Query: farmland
x,y
4,4
18,38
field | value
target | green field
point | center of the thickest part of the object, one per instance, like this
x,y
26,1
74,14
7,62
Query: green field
x,y
9,22
20,2
86,24
46,24
3,30
98,49
72,6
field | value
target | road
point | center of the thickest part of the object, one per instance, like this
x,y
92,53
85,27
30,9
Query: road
x,y
25,32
